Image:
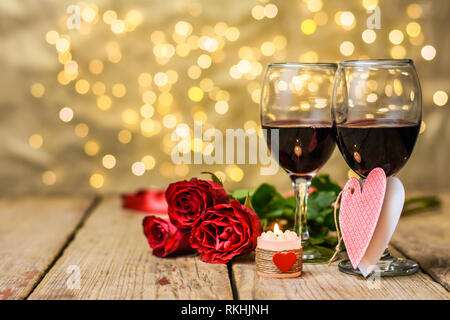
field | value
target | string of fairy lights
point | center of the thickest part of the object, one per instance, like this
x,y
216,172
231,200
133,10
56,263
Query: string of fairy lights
x,y
157,113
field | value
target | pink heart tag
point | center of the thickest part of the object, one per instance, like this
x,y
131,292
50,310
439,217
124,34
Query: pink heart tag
x,y
359,213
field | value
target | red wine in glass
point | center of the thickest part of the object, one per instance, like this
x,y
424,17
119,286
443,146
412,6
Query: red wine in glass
x,y
370,143
304,145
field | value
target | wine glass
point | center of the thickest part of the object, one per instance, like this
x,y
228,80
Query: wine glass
x,y
377,112
296,116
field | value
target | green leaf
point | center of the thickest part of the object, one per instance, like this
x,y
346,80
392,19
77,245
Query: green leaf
x,y
274,204
324,198
316,229
330,242
289,214
264,223
213,177
418,204
323,182
248,203
290,202
328,221
277,213
271,206
313,211
317,240
263,195
241,194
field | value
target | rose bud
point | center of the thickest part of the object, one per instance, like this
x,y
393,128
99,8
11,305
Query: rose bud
x,y
164,238
225,231
188,200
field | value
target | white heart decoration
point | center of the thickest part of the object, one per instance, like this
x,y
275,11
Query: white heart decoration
x,y
387,222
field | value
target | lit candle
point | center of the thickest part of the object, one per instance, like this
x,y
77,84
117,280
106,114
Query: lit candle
x,y
279,240
279,254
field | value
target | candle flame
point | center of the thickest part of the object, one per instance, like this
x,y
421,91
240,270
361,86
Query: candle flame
x,y
276,229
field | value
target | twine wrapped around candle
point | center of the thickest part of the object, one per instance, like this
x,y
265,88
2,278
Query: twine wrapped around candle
x,y
265,265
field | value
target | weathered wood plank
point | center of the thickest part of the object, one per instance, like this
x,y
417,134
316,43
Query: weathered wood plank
x,y
320,282
32,233
115,262
425,238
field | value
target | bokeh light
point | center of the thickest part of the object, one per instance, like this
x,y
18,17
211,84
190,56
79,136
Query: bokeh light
x,y
96,66
396,36
195,94
104,102
428,52
440,98
124,136
413,29
398,52
37,90
347,19
126,81
91,148
347,48
138,168
96,180
81,130
66,114
369,4
82,86
35,141
109,161
49,178
414,11
119,90
308,26
369,36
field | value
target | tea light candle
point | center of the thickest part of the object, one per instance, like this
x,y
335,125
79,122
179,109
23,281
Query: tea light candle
x,y
271,264
279,240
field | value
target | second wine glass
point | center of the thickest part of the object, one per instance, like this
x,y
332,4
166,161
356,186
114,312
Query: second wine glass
x,y
377,111
295,111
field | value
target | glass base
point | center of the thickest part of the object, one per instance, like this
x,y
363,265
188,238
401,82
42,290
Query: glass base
x,y
316,254
388,266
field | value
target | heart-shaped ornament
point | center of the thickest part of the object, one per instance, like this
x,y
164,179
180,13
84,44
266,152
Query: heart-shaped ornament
x,y
359,213
389,216
284,261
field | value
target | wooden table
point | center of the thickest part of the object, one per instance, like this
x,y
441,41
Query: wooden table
x,y
46,242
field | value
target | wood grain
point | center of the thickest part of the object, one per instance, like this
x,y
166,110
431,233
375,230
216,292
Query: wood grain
x,y
425,238
32,233
115,262
320,282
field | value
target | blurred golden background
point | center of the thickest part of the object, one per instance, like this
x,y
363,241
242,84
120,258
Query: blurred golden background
x,y
92,109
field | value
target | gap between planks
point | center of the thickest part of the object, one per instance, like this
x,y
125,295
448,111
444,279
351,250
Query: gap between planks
x,y
95,202
115,262
33,230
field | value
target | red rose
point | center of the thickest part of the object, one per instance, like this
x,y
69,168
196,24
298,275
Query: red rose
x,y
225,231
152,201
164,238
188,200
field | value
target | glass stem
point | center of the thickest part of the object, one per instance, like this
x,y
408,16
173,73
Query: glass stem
x,y
386,254
301,186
